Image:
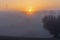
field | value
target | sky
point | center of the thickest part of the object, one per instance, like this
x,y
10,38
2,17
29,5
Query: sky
x,y
25,4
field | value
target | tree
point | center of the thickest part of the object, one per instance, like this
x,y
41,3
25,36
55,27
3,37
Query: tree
x,y
52,24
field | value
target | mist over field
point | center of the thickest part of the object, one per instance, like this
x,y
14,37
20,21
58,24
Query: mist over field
x,y
15,23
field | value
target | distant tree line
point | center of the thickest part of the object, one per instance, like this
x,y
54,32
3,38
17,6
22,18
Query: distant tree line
x,y
52,24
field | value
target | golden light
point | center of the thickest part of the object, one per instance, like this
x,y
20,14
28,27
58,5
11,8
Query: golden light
x,y
21,5
30,9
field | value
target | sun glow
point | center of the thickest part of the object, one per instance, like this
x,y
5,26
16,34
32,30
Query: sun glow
x,y
30,10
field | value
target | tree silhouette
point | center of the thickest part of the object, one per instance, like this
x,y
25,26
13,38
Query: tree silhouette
x,y
52,24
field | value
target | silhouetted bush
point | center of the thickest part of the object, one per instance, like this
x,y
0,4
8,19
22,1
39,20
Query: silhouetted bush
x,y
52,24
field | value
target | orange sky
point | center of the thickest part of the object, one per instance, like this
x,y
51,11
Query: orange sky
x,y
25,4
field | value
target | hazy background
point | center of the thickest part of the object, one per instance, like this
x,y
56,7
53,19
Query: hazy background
x,y
16,23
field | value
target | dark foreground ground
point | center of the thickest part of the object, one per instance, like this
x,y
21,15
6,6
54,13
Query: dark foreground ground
x,y
24,38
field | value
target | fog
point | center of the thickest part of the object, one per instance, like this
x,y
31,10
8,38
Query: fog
x,y
14,23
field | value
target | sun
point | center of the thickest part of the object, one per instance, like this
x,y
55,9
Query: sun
x,y
30,9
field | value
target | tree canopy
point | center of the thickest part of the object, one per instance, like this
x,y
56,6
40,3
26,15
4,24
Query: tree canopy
x,y
52,24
